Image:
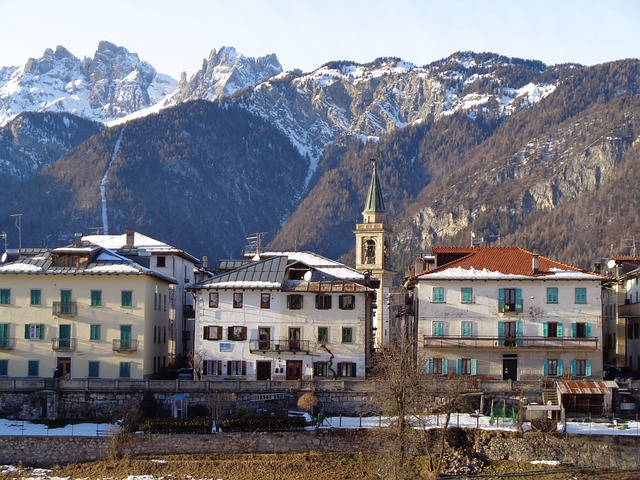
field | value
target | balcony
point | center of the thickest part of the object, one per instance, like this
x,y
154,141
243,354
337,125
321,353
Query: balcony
x,y
279,346
65,309
7,343
554,343
64,344
125,346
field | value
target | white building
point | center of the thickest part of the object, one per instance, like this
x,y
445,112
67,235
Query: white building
x,y
284,315
629,320
506,313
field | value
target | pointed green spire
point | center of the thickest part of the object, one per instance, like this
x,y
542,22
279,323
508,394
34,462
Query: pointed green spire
x,y
375,202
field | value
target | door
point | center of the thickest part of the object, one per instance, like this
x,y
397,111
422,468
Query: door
x,y
4,335
125,337
294,338
510,369
64,365
264,339
64,342
263,370
65,302
294,369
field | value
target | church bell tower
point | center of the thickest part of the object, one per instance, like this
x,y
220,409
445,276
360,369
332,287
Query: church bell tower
x,y
373,244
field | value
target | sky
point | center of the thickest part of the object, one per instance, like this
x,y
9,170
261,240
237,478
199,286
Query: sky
x,y
176,36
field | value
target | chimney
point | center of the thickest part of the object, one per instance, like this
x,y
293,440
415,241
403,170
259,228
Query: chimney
x,y
205,261
535,263
77,240
418,266
131,235
597,267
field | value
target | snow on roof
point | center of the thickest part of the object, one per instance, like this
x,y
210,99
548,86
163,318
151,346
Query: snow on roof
x,y
247,284
320,263
21,267
115,268
115,242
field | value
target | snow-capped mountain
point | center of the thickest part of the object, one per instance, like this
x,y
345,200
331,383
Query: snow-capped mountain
x,y
112,84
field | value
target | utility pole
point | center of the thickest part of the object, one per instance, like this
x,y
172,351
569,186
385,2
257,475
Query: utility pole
x,y
18,217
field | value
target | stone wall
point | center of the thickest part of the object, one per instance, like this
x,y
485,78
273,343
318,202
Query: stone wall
x,y
582,450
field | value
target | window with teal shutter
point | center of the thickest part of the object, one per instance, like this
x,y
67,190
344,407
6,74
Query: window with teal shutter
x,y
552,295
127,298
94,333
445,364
467,329
96,298
125,369
438,328
438,294
560,371
500,329
518,299
581,295
501,300
4,368
466,295
5,296
33,368
35,296
94,369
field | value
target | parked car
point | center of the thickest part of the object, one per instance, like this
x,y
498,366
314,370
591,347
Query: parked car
x,y
185,374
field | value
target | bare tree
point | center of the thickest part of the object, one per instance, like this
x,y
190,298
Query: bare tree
x,y
217,403
196,361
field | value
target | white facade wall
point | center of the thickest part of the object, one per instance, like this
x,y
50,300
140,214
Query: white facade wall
x,y
484,317
279,319
147,317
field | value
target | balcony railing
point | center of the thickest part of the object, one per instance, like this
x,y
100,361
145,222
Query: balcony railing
x,y
278,346
65,309
558,343
7,343
63,344
125,345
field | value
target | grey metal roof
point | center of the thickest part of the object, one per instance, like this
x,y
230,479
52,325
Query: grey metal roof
x,y
264,273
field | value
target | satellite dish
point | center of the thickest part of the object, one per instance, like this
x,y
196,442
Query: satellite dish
x,y
611,263
307,276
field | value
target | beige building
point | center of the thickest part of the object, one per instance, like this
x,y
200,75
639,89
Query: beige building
x,y
506,313
84,310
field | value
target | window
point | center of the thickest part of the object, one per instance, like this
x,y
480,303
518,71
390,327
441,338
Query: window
x,y
581,330
237,300
126,298
437,328
213,300
236,367
34,331
552,329
212,367
320,369
636,330
94,333
346,369
467,366
581,368
438,366
4,368
33,367
467,329
347,302
466,295
164,302
438,295
94,369
161,261
35,296
5,296
237,333
212,332
510,299
294,301
265,300
125,369
552,295
581,295
323,302
96,298
323,334
347,334
552,368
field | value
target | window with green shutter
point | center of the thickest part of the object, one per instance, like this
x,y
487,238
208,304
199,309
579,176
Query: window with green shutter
x,y
581,295
438,295
36,296
552,295
5,296
96,298
467,329
126,298
347,334
125,369
466,295
4,368
94,369
95,333
437,328
323,334
33,368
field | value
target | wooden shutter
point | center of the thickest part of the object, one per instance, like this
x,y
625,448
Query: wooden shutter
x,y
518,299
545,331
339,369
353,369
587,330
42,331
445,366
588,369
219,336
205,333
228,367
244,367
473,366
559,330
545,367
501,300
204,367
560,369
26,331
219,362
244,334
230,333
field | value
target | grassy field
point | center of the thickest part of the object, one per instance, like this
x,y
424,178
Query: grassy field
x,y
310,465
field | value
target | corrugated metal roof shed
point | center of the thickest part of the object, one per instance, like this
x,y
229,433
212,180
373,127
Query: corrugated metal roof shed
x,y
586,387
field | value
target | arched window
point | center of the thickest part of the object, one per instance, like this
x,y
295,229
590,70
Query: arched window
x,y
369,251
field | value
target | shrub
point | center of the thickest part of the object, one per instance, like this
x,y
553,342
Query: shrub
x,y
248,423
176,425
